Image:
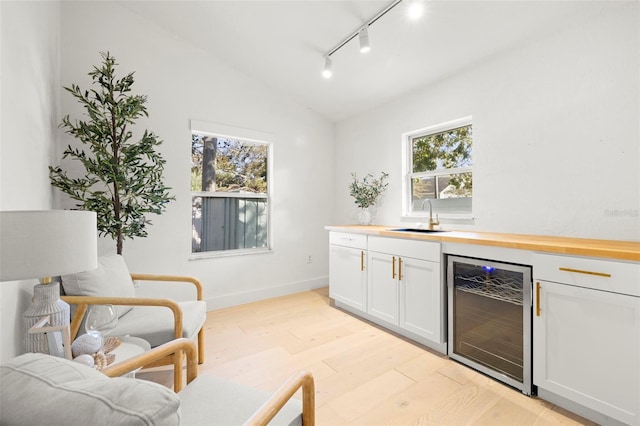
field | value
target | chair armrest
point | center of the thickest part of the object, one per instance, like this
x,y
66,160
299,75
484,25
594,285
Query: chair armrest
x,y
171,278
84,301
170,348
269,409
179,279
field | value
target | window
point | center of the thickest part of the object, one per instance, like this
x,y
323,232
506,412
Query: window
x,y
439,167
230,193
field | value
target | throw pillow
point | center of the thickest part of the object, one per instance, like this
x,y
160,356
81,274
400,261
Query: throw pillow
x,y
111,278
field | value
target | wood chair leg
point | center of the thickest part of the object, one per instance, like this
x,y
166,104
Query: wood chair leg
x,y
201,346
177,372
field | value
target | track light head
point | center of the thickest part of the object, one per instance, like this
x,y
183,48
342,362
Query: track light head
x,y
416,8
326,71
363,34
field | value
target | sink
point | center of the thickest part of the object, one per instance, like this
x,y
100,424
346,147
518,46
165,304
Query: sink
x,y
425,231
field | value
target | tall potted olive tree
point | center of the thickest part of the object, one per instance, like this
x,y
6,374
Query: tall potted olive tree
x,y
122,180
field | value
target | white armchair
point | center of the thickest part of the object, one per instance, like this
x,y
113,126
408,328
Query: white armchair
x,y
155,320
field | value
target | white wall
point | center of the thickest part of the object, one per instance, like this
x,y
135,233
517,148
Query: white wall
x,y
183,83
556,134
28,109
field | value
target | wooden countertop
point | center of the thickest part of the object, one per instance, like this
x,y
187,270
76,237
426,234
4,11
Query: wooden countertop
x,y
612,249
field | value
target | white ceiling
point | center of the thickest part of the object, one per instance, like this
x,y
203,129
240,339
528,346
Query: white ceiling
x,y
282,43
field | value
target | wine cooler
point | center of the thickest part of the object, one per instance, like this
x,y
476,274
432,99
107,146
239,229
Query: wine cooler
x,y
489,313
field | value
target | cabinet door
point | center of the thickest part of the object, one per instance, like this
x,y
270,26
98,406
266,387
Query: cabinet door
x,y
347,276
382,295
587,348
420,298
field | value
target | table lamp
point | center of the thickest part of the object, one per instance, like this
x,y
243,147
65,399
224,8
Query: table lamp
x,y
43,244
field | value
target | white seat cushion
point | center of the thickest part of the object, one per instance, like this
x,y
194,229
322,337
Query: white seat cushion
x,y
222,402
39,389
155,323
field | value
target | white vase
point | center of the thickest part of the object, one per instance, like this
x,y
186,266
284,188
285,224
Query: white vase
x,y
364,216
46,302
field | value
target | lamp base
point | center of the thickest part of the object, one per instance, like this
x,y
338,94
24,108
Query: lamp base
x,y
46,302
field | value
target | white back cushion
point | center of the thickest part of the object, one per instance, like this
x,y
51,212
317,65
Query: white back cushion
x,y
110,278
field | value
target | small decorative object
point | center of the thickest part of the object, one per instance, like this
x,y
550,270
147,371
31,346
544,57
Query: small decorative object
x,y
110,343
367,193
89,350
86,344
100,320
56,336
85,359
102,359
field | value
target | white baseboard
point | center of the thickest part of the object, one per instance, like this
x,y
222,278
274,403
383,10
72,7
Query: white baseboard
x,y
581,410
264,293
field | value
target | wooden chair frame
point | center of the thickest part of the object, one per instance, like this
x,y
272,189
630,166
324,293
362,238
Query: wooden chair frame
x,y
83,302
301,380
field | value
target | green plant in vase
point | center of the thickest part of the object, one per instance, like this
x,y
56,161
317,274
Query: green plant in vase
x,y
366,192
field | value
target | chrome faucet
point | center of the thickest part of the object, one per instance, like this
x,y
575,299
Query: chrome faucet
x,y
432,222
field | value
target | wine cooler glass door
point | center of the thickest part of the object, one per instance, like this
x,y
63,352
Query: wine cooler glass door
x,y
490,318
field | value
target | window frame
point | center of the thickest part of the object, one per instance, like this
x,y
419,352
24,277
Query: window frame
x,y
243,135
408,174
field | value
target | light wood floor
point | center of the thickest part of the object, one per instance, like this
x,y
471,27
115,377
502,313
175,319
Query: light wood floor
x,y
364,375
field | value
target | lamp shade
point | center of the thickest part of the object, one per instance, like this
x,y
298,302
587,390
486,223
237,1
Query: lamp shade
x,y
46,243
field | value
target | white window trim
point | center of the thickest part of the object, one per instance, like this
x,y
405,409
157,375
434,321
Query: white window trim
x,y
407,175
248,135
222,194
441,172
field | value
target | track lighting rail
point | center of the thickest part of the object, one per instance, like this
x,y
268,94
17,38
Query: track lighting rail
x,y
367,24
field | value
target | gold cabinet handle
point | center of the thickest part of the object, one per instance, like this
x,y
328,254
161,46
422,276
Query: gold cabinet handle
x,y
399,269
362,260
580,271
393,267
537,298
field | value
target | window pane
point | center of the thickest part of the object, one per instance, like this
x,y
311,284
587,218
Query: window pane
x,y
445,150
223,164
443,205
228,223
220,166
449,186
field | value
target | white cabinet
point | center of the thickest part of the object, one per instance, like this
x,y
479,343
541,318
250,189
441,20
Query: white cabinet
x,y
383,287
347,269
420,298
586,325
404,288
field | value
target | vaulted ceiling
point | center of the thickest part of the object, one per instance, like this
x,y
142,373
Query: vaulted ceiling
x,y
282,43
